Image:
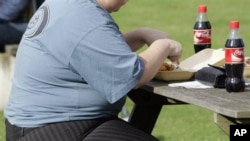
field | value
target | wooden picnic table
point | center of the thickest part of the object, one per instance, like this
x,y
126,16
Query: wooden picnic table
x,y
229,108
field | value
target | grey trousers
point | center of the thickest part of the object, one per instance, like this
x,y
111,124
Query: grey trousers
x,y
87,130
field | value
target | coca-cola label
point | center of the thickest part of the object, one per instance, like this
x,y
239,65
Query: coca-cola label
x,y
234,55
202,36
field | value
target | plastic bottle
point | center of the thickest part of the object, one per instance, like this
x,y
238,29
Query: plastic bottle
x,y
234,60
202,30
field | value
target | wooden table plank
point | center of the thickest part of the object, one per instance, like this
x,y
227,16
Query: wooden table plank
x,y
229,108
236,105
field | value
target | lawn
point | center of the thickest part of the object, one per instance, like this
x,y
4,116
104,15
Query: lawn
x,y
183,123
177,18
2,127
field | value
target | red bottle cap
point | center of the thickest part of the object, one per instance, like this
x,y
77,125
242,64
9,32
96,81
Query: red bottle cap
x,y
202,8
234,24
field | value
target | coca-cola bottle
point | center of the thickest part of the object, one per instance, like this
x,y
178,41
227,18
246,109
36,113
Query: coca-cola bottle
x,y
202,30
234,60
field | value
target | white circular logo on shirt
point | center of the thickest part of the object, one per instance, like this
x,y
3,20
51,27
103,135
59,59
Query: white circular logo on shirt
x,y
38,22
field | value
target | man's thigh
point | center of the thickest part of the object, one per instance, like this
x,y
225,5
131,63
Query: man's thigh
x,y
62,131
118,130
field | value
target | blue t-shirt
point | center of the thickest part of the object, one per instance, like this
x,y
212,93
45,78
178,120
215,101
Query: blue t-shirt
x,y
72,64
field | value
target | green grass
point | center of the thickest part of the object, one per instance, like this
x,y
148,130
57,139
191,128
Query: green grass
x,y
2,127
176,17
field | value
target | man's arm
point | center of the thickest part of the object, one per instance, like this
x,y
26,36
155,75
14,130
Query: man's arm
x,y
160,47
141,36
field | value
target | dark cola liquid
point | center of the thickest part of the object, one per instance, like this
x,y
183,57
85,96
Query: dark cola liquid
x,y
198,48
234,72
199,26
